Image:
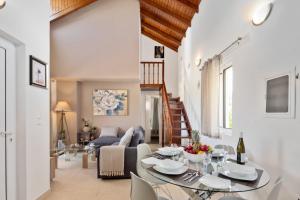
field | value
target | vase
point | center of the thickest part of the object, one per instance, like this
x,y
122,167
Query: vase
x,y
86,129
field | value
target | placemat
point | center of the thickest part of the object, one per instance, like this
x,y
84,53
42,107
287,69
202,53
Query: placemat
x,y
158,156
252,184
180,178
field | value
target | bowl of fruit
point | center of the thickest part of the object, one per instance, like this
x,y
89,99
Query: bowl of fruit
x,y
196,152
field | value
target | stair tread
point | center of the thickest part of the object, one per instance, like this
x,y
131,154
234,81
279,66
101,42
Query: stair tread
x,y
180,128
176,108
174,99
176,115
180,136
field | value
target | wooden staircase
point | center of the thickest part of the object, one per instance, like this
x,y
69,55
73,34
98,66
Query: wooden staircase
x,y
176,124
181,127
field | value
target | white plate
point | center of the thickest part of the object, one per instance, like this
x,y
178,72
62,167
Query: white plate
x,y
151,161
171,172
240,172
169,151
215,182
170,164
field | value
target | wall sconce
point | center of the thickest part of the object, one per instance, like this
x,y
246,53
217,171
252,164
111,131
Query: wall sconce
x,y
198,62
262,13
2,3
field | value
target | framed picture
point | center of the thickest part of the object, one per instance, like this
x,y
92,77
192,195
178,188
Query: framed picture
x,y
159,52
38,72
280,95
110,102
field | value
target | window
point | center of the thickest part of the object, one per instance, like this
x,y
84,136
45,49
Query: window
x,y
227,99
226,91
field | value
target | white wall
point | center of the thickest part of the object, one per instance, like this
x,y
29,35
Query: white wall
x,y
100,41
124,122
26,23
171,65
271,48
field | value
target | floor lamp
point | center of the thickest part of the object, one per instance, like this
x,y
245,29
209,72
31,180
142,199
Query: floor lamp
x,y
63,107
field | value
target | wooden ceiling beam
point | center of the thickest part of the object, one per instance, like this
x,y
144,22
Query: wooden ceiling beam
x,y
167,11
167,39
62,8
162,33
163,22
161,41
190,5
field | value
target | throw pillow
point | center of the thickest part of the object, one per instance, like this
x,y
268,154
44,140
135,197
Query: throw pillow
x,y
109,131
126,139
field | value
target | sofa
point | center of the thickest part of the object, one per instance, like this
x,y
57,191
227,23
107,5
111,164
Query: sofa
x,y
130,158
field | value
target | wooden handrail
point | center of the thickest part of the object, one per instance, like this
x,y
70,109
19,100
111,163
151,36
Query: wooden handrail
x,y
168,121
187,121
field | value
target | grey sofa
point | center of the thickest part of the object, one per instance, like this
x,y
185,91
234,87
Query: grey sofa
x,y
130,152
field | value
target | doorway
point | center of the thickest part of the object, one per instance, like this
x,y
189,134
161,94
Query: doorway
x,y
153,119
7,121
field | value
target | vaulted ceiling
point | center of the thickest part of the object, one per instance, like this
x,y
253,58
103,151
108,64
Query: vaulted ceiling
x,y
61,8
165,21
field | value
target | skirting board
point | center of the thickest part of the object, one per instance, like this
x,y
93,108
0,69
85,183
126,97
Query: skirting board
x,y
43,196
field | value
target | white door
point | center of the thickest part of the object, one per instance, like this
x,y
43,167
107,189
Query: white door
x,y
7,121
3,179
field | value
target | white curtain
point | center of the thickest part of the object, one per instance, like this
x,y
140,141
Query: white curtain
x,y
210,97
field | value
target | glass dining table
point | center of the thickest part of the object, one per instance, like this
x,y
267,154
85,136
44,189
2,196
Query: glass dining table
x,y
197,184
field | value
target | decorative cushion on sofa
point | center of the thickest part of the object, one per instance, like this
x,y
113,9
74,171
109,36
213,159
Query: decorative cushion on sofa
x,y
138,136
105,141
126,139
109,131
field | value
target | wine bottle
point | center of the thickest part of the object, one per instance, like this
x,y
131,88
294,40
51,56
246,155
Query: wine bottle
x,y
240,149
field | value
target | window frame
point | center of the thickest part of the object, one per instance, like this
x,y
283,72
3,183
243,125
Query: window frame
x,y
222,101
224,97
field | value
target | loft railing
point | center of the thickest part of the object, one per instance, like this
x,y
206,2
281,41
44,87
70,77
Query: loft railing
x,y
152,73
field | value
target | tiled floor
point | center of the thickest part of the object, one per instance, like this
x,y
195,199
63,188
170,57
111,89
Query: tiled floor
x,y
74,183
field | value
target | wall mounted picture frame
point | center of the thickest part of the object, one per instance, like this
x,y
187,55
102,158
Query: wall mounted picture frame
x,y
110,102
38,72
280,95
159,52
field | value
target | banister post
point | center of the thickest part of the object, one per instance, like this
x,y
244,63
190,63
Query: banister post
x,y
163,71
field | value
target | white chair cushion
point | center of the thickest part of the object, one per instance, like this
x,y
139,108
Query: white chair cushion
x,y
109,131
126,139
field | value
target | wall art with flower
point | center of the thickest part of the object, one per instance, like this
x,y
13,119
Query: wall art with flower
x,y
110,102
38,72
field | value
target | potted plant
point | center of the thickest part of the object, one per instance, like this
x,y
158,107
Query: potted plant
x,y
86,125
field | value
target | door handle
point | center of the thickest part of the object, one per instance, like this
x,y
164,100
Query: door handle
x,y
5,134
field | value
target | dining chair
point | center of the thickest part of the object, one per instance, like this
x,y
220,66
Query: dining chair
x,y
142,151
141,189
229,149
273,195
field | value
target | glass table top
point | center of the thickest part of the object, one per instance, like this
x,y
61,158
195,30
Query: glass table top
x,y
235,185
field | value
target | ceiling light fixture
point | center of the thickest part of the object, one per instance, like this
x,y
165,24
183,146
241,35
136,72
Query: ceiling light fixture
x,y
262,13
198,62
2,3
